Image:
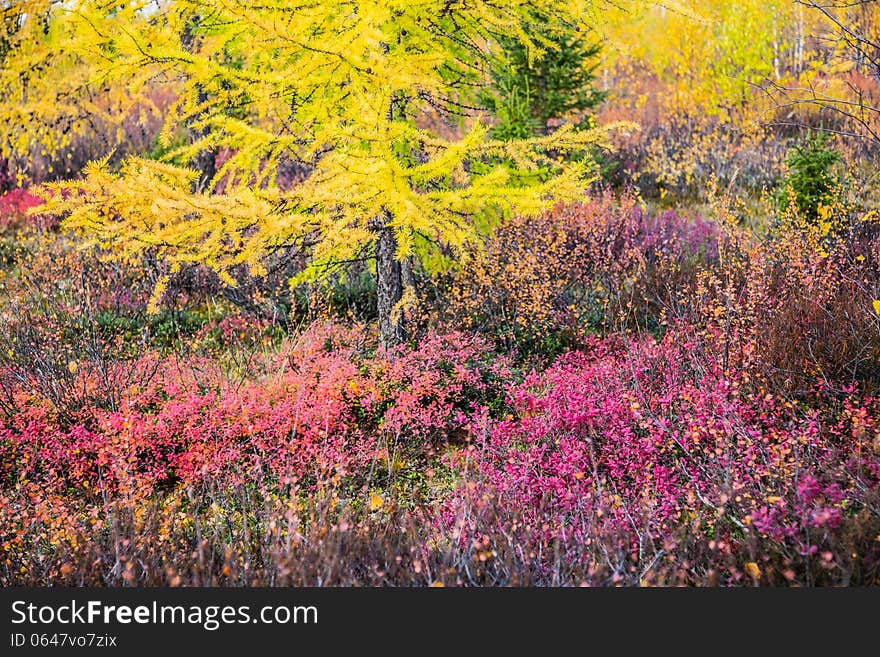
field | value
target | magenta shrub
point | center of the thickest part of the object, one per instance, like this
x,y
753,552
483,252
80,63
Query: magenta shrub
x,y
634,445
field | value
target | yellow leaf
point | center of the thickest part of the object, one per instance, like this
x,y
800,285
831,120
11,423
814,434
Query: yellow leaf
x,y
376,502
752,570
877,306
437,585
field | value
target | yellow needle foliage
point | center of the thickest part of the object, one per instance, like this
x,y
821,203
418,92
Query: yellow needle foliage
x,y
51,96
337,86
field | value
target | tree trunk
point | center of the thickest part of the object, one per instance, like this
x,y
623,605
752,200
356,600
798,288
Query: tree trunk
x,y
205,161
389,289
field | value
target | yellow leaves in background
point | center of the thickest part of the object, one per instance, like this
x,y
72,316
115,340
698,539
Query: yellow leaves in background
x,y
752,570
825,218
697,50
55,98
871,216
156,296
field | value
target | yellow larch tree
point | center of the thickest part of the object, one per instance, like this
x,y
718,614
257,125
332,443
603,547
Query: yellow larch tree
x,y
337,87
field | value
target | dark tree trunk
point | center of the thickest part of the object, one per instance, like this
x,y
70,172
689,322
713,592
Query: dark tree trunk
x,y
205,161
389,289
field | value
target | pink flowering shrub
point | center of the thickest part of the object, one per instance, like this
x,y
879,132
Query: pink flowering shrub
x,y
14,206
634,447
322,408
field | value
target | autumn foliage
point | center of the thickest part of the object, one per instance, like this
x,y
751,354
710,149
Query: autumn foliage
x,y
617,356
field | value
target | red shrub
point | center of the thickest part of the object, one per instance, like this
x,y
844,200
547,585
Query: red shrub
x,y
619,453
325,408
14,206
